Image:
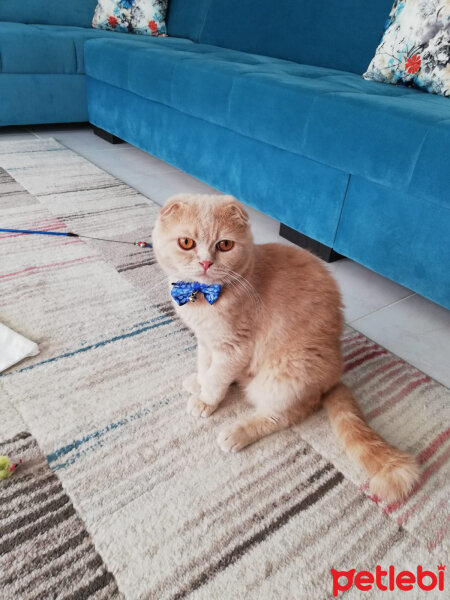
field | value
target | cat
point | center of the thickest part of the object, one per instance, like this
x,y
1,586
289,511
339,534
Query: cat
x,y
275,329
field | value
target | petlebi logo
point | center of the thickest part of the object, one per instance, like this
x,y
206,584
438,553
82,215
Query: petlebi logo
x,y
389,580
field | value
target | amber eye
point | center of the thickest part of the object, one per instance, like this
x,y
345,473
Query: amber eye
x,y
225,245
186,243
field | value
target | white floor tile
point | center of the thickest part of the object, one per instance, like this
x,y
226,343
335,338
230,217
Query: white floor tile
x,y
265,229
46,131
415,329
150,176
364,291
79,138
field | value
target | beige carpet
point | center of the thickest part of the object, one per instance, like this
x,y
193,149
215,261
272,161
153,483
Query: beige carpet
x,y
45,550
169,514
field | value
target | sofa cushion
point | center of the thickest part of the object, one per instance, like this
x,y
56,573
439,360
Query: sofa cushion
x,y
31,49
394,136
415,48
48,12
186,19
146,17
342,34
56,49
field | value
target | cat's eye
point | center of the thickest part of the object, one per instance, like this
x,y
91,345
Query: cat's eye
x,y
186,243
225,245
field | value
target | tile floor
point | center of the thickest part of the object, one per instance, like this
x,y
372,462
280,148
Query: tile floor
x,y
400,320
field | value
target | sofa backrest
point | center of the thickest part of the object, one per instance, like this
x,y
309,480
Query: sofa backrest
x,y
341,34
48,12
186,18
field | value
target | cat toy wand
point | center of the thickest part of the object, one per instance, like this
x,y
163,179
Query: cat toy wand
x,y
76,235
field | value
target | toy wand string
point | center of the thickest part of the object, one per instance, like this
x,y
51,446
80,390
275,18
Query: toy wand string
x,y
76,235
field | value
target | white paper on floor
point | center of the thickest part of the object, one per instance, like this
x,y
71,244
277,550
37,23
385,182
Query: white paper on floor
x,y
14,347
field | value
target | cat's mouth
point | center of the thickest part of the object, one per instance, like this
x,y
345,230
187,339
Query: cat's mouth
x,y
206,277
203,277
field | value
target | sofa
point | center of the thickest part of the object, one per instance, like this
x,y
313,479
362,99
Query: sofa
x,y
264,101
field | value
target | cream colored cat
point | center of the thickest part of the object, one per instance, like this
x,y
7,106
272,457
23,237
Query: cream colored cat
x,y
275,329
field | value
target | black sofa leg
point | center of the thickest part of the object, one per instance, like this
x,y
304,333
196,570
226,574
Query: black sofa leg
x,y
109,137
324,252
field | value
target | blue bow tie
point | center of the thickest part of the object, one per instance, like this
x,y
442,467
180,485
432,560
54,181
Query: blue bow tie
x,y
185,291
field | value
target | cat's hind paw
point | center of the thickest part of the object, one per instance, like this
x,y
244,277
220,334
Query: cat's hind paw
x,y
197,408
191,384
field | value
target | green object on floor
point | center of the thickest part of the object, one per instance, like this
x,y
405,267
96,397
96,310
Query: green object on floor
x,y
7,468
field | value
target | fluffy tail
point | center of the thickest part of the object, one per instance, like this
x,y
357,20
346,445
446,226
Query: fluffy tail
x,y
394,473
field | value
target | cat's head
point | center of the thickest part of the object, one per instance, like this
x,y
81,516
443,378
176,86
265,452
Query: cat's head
x,y
200,237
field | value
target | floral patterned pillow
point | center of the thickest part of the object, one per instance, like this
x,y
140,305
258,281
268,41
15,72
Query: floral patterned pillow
x,y
415,47
134,16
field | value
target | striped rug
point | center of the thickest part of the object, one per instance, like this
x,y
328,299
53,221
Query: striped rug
x,y
169,514
45,550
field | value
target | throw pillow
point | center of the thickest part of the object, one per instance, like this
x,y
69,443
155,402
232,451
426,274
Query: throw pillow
x,y
134,16
415,47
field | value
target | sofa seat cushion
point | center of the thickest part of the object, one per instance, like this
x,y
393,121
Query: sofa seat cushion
x,y
394,136
54,49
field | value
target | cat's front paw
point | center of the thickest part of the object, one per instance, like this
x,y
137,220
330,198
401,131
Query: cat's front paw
x,y
197,408
233,439
191,384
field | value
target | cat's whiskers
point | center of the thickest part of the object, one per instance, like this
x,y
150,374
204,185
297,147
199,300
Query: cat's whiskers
x,y
238,281
229,281
237,284
244,282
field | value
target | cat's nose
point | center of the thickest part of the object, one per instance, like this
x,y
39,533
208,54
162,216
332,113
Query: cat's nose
x,y
205,264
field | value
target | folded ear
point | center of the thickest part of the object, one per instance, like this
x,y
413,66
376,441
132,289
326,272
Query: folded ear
x,y
172,206
237,212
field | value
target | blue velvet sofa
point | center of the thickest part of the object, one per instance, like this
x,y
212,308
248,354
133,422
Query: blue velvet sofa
x,y
262,100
